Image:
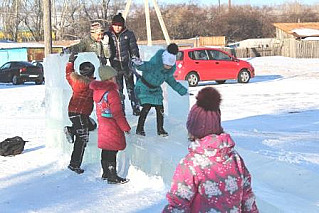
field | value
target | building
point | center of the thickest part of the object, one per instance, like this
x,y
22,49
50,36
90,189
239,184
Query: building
x,y
12,51
296,30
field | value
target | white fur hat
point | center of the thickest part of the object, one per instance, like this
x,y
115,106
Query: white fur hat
x,y
168,58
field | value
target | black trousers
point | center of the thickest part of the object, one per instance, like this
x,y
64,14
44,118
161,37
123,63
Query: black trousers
x,y
159,116
124,73
80,126
108,155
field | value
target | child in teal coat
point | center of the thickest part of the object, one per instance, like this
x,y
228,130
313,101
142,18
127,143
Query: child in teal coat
x,y
159,69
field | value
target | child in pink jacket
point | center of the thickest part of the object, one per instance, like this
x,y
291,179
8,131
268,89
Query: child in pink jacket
x,y
212,177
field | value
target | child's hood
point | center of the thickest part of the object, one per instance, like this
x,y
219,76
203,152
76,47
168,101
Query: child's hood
x,y
77,77
217,147
100,87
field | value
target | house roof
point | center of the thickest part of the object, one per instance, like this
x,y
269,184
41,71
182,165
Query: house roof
x,y
37,44
292,28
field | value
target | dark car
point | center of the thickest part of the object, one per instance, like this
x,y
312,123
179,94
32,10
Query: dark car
x,y
207,64
19,72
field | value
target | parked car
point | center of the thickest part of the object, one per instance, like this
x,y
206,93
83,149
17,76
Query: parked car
x,y
207,64
19,72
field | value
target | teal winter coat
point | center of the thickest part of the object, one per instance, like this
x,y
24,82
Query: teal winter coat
x,y
154,74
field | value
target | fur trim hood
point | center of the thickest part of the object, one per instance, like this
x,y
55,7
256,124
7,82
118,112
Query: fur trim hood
x,y
77,77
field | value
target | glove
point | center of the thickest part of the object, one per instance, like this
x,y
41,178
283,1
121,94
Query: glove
x,y
73,57
105,40
188,93
137,61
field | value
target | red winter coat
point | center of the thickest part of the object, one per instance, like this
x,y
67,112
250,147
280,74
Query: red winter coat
x,y
110,129
82,98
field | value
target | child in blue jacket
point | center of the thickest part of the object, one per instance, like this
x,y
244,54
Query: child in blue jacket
x,y
158,69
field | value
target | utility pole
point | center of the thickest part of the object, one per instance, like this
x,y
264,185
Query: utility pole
x,y
16,20
147,17
229,5
47,27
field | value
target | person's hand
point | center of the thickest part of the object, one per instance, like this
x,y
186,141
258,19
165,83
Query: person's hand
x,y
105,40
188,93
72,57
137,61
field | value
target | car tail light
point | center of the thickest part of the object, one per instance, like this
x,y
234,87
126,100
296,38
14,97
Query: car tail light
x,y
23,69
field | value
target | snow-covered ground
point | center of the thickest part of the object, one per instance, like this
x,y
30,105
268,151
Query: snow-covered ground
x,y
274,121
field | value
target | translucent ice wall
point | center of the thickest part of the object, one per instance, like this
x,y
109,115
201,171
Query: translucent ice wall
x,y
57,94
152,154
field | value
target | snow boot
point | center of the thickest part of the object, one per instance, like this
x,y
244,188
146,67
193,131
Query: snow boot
x,y
162,132
68,134
141,121
160,122
105,174
140,132
136,111
112,174
76,169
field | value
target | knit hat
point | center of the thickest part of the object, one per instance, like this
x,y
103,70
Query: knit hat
x,y
168,58
87,69
172,48
106,72
204,117
96,27
118,20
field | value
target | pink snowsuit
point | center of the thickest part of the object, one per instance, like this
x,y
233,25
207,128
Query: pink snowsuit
x,y
211,178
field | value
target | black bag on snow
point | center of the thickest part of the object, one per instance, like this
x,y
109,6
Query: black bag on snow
x,y
12,146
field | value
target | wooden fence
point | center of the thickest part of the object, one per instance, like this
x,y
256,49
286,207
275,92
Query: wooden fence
x,y
289,48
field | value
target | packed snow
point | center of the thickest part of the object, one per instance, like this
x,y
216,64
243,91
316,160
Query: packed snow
x,y
274,120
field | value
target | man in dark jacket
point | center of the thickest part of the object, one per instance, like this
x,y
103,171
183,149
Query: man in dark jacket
x,y
123,49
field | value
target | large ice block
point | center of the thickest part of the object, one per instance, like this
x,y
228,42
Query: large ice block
x,y
152,154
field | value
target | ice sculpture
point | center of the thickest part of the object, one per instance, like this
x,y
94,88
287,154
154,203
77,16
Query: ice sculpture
x,y
152,154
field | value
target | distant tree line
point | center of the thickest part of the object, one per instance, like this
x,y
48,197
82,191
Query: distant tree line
x,y
71,19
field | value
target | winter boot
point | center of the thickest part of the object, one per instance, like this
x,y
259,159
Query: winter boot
x,y
105,174
140,127
160,122
69,134
141,120
112,174
136,110
75,169
162,132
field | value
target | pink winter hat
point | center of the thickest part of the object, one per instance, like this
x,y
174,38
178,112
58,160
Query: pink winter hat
x,y
204,117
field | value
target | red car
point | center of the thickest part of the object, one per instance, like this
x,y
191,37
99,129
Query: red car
x,y
206,64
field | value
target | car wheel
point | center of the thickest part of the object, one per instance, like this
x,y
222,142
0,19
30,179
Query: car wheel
x,y
192,79
220,81
243,76
38,82
15,80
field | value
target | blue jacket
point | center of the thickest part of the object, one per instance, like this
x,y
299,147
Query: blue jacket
x,y
154,73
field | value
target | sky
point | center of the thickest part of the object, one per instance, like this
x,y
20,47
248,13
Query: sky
x,y
273,119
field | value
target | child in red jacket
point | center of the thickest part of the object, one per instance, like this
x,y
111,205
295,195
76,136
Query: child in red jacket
x,y
111,122
79,109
